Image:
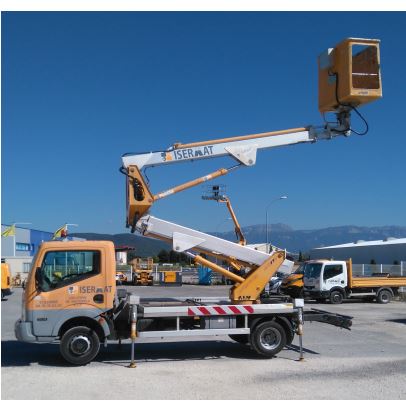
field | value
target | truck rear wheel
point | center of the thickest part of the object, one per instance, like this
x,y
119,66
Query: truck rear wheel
x,y
384,297
268,338
336,297
79,345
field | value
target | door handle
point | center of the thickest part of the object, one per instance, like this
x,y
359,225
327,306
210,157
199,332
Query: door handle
x,y
98,298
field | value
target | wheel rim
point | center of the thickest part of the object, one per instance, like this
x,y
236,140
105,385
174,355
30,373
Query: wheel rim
x,y
80,345
336,297
385,297
270,338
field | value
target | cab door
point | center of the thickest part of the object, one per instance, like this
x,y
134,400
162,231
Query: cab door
x,y
70,283
333,276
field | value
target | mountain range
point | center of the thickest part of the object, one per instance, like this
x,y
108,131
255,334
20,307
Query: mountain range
x,y
280,235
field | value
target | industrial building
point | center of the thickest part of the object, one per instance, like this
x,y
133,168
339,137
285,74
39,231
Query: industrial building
x,y
18,250
387,251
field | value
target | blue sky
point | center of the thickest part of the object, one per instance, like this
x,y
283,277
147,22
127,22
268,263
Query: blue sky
x,y
81,89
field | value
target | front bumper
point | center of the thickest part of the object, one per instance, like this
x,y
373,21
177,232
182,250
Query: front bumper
x,y
23,331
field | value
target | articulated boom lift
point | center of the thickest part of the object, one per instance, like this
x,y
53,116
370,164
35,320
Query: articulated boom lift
x,y
71,295
349,76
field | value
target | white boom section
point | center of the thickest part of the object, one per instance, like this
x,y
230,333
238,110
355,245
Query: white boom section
x,y
184,238
243,148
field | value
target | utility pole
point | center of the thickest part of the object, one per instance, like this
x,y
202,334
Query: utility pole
x,y
266,221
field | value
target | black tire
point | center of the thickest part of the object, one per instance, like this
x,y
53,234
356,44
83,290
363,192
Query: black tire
x,y
268,338
79,345
384,297
336,297
240,338
2,295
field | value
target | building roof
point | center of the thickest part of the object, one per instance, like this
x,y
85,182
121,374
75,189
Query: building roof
x,y
124,248
383,242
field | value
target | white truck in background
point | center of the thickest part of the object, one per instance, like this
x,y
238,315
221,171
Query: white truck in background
x,y
334,280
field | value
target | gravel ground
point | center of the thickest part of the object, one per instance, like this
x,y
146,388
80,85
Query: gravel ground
x,y
368,362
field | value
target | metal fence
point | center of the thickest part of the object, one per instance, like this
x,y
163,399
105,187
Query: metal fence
x,y
373,269
190,275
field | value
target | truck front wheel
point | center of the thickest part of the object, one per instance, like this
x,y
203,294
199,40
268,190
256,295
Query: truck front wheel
x,y
268,338
79,345
336,297
384,297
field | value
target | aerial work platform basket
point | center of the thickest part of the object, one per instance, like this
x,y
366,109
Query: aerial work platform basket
x,y
349,74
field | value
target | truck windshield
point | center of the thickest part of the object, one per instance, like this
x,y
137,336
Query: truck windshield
x,y
312,270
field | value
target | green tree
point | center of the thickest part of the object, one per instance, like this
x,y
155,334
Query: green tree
x,y
163,256
131,255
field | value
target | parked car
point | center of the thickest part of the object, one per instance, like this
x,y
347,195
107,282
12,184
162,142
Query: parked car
x,y
275,283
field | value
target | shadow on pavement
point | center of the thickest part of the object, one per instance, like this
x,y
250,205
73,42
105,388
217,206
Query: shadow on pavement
x,y
345,302
295,348
403,321
18,354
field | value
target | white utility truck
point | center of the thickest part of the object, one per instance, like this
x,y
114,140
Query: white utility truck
x,y
334,280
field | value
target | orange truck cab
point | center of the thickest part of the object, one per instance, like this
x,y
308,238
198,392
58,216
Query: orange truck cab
x,y
5,279
71,285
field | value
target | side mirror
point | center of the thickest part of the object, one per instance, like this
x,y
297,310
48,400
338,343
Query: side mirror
x,y
38,277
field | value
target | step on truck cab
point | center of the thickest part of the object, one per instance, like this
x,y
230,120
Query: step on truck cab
x,y
333,280
71,298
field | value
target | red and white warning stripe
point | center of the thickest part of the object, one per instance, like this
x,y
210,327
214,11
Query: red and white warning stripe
x,y
220,310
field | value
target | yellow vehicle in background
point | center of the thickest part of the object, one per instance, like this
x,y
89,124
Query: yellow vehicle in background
x,y
5,279
120,278
292,285
142,269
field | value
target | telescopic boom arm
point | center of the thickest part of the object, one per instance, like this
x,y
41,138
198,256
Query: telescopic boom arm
x,y
243,149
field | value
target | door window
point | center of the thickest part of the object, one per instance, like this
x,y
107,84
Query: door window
x,y
332,270
60,268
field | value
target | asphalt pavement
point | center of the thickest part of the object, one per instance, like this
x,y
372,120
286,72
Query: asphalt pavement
x,y
368,362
